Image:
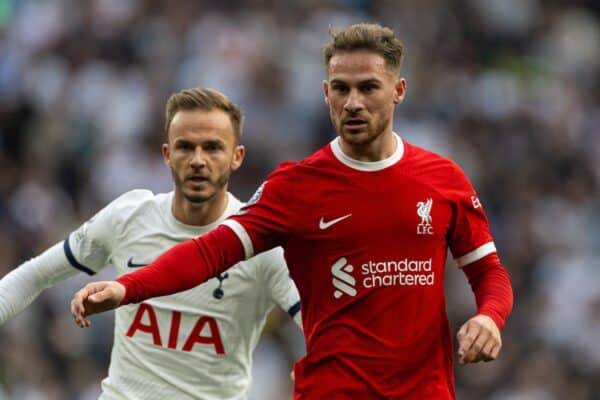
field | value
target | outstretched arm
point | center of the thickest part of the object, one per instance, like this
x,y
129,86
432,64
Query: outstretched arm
x,y
24,284
180,268
479,338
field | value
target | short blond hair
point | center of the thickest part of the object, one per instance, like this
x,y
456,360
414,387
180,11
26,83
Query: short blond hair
x,y
203,99
370,37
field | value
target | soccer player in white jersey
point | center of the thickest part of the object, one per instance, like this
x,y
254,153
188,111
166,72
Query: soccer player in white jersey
x,y
192,345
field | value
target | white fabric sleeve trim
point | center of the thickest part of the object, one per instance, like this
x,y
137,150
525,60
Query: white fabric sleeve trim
x,y
241,233
476,254
22,285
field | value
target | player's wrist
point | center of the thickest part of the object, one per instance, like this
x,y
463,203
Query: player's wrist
x,y
127,291
493,316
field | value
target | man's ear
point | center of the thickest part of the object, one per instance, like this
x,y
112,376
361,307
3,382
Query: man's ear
x,y
166,154
326,91
399,91
238,156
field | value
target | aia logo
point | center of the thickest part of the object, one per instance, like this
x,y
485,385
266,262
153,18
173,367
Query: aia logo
x,y
424,211
205,331
342,280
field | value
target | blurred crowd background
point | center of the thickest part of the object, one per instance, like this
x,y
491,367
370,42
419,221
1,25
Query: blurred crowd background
x,y
510,89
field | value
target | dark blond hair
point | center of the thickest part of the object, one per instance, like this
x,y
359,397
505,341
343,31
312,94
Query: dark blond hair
x,y
203,99
370,37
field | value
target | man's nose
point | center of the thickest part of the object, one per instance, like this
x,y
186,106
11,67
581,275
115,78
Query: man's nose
x,y
354,102
198,159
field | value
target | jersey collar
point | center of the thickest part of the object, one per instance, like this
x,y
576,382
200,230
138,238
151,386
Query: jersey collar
x,y
233,205
367,165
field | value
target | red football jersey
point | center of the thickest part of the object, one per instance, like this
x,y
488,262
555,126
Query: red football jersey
x,y
366,246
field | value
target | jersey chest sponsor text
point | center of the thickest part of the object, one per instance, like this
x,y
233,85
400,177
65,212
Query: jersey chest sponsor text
x,y
204,332
376,274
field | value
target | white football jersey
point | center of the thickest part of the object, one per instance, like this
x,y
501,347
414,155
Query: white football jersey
x,y
195,344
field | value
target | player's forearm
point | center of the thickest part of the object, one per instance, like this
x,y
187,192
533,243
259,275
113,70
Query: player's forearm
x,y
24,284
184,266
492,288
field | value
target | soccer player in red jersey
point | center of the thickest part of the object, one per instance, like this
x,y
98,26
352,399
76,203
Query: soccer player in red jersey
x,y
365,223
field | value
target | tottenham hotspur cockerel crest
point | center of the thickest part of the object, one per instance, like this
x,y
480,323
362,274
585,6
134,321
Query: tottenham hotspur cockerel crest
x,y
424,211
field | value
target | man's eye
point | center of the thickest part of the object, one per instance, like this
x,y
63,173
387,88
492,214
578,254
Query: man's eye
x,y
213,147
369,88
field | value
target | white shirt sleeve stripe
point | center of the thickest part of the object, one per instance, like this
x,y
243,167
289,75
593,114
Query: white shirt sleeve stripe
x,y
241,233
476,254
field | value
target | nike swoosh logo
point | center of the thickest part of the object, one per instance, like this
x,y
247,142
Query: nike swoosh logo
x,y
131,264
325,225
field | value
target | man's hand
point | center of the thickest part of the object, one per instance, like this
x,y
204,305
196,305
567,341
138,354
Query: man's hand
x,y
94,298
478,340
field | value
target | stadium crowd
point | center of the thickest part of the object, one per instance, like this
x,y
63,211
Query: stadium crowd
x,y
509,89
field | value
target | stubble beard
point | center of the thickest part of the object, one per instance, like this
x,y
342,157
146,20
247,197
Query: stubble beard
x,y
356,138
374,131
199,198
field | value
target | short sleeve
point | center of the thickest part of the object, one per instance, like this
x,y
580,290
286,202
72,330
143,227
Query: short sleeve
x,y
266,220
281,287
89,247
469,237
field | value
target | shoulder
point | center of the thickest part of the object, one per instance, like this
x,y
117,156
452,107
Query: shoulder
x,y
290,180
428,163
440,174
133,199
277,182
295,171
419,155
135,202
283,170
320,161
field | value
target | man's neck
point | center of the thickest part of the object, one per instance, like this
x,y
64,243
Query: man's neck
x,y
379,149
199,214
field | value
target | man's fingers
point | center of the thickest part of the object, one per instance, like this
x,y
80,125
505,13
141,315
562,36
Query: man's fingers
x,y
479,340
475,352
486,352
76,311
78,308
461,336
466,337
94,298
496,350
